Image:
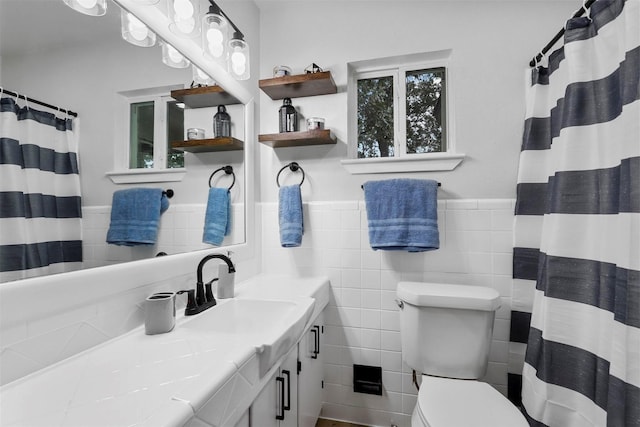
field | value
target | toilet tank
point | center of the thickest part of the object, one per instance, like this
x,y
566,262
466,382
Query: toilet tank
x,y
446,329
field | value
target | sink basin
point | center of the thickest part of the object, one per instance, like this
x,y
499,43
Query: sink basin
x,y
271,326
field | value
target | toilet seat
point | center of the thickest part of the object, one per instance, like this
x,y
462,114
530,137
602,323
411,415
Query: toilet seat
x,y
446,402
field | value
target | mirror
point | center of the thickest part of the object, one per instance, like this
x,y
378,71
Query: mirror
x,y
59,56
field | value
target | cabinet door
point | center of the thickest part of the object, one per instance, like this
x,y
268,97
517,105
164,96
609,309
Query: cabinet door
x,y
264,407
277,403
288,373
311,375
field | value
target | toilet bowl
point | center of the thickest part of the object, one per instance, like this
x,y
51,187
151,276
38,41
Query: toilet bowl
x,y
447,402
445,332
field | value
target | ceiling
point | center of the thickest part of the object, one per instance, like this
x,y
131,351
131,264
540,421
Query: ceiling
x,y
35,25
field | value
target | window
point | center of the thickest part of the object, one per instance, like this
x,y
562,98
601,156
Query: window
x,y
150,144
400,112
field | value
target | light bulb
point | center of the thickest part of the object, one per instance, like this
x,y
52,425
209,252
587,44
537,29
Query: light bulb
x,y
137,29
184,9
214,39
174,55
238,58
186,25
238,69
88,4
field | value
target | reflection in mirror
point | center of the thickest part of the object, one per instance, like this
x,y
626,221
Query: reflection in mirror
x,y
78,62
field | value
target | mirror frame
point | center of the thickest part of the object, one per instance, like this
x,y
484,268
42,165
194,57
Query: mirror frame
x,y
158,21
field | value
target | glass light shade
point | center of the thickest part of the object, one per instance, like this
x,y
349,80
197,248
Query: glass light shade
x,y
135,31
239,65
215,29
200,77
185,17
173,58
88,7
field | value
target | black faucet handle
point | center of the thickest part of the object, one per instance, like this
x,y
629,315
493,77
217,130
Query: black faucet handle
x,y
191,300
208,293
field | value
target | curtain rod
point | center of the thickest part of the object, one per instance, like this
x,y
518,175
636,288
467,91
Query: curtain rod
x,y
35,101
585,5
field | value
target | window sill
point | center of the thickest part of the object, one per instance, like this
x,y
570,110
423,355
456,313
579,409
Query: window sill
x,y
137,176
421,163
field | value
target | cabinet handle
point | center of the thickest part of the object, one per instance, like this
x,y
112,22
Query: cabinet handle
x,y
287,407
281,381
315,343
316,350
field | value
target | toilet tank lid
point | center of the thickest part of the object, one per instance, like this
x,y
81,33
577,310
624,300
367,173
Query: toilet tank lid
x,y
449,296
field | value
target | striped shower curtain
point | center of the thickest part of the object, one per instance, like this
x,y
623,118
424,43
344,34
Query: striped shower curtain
x,y
575,328
40,213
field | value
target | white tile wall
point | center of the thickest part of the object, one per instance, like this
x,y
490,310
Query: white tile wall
x,y
180,230
362,324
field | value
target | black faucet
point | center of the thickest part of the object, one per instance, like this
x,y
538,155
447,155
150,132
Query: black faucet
x,y
202,298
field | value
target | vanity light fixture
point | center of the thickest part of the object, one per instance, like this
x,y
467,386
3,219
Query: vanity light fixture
x,y
239,57
88,7
215,35
173,58
184,17
230,52
135,31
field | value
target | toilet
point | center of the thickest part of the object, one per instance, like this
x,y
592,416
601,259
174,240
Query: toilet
x,y
446,333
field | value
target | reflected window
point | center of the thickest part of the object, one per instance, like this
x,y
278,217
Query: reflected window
x,y
154,122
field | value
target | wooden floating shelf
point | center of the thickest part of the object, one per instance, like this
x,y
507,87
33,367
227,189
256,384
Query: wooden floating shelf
x,y
208,145
295,139
206,96
299,85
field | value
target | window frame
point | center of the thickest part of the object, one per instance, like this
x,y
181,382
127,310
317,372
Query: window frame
x,y
123,173
401,161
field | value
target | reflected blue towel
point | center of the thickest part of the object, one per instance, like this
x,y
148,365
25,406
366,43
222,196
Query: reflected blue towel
x,y
217,218
290,216
135,216
402,214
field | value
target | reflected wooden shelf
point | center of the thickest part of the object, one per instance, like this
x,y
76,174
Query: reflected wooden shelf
x,y
201,97
299,85
296,139
209,145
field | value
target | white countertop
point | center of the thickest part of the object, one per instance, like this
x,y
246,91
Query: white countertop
x,y
154,380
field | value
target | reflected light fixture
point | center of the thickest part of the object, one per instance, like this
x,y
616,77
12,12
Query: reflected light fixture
x,y
135,31
173,58
184,17
88,7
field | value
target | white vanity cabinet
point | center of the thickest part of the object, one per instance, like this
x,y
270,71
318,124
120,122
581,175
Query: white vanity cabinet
x,y
293,395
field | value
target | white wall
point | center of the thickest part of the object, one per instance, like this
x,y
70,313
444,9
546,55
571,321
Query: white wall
x,y
492,43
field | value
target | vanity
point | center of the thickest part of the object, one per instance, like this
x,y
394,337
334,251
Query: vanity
x,y
253,360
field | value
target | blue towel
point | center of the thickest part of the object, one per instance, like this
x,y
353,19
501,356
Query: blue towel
x,y
135,216
290,216
402,214
217,218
